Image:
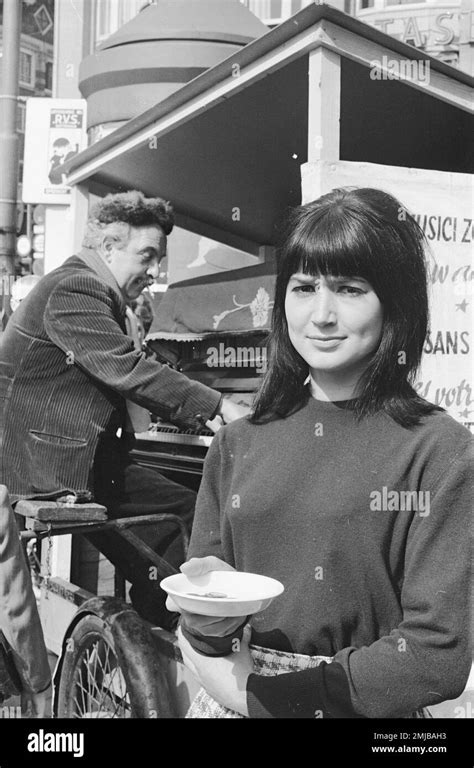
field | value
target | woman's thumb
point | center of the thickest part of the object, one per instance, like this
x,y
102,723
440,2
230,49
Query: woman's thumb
x,y
198,566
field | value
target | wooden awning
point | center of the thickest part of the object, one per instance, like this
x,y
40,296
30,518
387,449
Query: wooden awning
x,y
227,147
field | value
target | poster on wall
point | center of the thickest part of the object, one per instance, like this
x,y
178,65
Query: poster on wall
x,y
55,132
442,205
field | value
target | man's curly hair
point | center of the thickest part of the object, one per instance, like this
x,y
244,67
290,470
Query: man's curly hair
x,y
135,209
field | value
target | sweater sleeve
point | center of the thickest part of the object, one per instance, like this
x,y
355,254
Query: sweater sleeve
x,y
206,536
424,660
79,319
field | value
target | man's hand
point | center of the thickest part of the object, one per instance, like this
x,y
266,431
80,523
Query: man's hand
x,y
210,626
230,411
215,424
37,705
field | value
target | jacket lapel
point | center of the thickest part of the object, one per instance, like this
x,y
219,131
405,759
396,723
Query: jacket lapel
x,y
98,265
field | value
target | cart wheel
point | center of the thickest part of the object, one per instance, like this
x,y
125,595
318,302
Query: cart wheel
x,y
92,684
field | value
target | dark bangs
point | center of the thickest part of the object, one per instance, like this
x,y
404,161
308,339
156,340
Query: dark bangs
x,y
364,233
339,235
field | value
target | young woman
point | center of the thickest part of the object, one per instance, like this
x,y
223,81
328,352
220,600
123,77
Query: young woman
x,y
344,485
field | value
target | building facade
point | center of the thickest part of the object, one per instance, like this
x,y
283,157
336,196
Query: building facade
x,y
36,57
442,28
110,15
273,12
35,79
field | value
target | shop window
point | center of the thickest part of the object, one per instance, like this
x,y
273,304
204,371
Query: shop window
x,y
450,57
113,14
27,69
43,20
48,76
366,4
276,10
21,117
105,20
271,11
297,5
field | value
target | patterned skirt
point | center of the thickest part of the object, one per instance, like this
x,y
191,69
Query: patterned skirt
x,y
266,662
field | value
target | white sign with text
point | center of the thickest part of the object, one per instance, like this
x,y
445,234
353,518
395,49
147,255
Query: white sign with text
x,y
55,132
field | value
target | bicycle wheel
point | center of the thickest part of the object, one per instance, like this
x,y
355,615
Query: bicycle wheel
x,y
92,684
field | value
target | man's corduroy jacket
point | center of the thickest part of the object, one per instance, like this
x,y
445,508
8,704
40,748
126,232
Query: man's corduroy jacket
x,y
67,368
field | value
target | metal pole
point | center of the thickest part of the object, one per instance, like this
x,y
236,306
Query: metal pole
x,y
9,142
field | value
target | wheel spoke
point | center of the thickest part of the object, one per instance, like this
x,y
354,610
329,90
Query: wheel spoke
x,y
91,679
105,691
78,685
108,677
98,684
90,698
121,697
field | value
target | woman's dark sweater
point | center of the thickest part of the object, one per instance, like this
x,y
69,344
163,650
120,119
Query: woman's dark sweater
x,y
374,576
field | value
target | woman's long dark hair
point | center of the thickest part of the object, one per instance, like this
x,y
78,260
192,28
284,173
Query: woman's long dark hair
x,y
355,233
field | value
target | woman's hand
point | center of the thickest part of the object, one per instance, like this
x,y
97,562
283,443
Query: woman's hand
x,y
223,677
37,705
210,626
